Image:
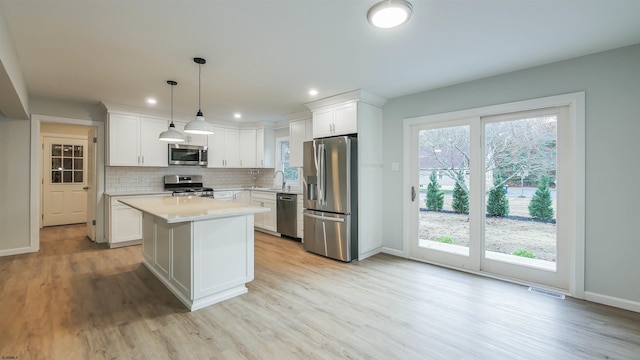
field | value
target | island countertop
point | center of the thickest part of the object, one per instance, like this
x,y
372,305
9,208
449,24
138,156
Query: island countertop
x,y
175,209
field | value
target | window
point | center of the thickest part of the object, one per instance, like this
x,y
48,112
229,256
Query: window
x,y
291,175
67,164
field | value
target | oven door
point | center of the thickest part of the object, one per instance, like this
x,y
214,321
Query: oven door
x,y
180,154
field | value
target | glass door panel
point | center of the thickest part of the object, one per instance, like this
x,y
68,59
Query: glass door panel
x,y
520,191
444,189
441,210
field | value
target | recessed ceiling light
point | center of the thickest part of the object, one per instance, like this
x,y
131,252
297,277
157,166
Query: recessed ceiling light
x,y
313,92
237,115
151,101
389,13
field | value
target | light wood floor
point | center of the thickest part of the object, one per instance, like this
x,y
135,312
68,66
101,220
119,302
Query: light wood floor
x,y
78,300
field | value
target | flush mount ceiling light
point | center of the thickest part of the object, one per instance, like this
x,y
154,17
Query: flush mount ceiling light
x,y
198,125
171,135
389,13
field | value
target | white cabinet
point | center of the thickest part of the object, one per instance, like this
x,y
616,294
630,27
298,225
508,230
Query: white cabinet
x,y
239,196
191,139
300,218
123,223
133,141
268,220
341,119
242,196
265,148
299,132
247,148
224,195
223,148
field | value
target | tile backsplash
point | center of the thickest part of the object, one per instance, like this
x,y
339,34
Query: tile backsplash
x,y
125,178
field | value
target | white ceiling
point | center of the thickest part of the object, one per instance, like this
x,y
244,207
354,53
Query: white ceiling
x,y
264,55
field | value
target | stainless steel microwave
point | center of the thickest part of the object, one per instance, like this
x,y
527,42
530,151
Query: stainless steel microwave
x,y
180,154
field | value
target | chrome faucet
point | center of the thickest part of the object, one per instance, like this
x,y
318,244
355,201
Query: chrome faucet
x,y
283,181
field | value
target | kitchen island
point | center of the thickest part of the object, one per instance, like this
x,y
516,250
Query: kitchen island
x,y
200,248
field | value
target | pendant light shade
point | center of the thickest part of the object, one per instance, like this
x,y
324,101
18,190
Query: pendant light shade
x,y
199,125
389,13
171,135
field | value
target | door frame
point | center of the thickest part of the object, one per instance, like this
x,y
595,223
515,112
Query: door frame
x,y
576,103
35,177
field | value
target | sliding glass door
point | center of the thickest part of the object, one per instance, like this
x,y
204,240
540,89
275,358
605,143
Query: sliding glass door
x,y
491,195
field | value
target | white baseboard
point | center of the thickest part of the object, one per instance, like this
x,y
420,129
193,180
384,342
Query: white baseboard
x,y
367,254
394,252
612,301
18,251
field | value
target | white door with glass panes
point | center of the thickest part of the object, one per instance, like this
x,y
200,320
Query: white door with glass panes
x,y
488,194
64,198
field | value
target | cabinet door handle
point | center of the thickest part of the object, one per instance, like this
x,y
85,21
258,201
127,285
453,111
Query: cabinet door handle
x,y
413,194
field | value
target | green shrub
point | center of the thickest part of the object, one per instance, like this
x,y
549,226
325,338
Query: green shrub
x,y
540,205
435,197
497,202
523,253
444,239
460,202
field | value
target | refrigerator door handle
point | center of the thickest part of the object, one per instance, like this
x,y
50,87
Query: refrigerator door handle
x,y
320,165
325,218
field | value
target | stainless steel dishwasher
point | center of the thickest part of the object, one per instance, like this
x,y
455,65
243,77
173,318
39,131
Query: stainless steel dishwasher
x,y
287,214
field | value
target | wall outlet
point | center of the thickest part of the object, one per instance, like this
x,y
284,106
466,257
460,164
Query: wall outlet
x,y
395,166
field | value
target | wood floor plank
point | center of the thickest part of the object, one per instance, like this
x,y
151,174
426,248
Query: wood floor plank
x,y
78,300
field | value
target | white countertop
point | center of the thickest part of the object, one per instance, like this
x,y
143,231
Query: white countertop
x,y
175,209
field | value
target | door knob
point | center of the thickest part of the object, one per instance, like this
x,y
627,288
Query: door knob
x,y
85,188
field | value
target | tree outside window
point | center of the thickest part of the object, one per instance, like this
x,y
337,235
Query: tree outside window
x,y
291,175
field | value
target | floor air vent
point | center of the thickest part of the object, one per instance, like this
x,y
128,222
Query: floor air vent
x,y
546,292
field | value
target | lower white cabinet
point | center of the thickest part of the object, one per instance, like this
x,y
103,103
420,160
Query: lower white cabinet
x,y
268,220
300,219
124,223
242,196
239,196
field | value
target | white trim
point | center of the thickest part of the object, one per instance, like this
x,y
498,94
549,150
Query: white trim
x,y
34,178
369,253
576,103
394,252
612,301
17,251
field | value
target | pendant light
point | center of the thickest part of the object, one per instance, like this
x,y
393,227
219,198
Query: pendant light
x,y
198,125
171,135
389,13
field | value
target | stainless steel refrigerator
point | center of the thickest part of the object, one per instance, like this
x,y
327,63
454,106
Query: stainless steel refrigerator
x,y
331,197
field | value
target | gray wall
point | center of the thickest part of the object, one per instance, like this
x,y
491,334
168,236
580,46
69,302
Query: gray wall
x,y
611,81
14,184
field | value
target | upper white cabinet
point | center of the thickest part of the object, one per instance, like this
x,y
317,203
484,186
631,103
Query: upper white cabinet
x,y
191,139
133,141
265,148
341,119
248,148
224,147
299,132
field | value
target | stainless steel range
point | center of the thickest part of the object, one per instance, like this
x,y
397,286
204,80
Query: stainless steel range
x,y
187,185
